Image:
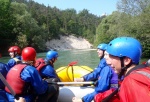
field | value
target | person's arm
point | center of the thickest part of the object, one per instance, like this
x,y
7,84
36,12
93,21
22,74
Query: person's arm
x,y
92,76
89,77
95,74
103,83
10,63
30,74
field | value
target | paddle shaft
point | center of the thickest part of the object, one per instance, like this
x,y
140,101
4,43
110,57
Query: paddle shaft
x,y
8,86
71,83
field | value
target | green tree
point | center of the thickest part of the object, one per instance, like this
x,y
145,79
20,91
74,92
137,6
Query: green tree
x,y
26,25
107,29
136,15
132,7
7,36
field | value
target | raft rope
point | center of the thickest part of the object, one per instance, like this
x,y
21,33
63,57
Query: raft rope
x,y
67,72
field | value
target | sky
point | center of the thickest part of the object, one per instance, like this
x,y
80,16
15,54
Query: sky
x,y
96,7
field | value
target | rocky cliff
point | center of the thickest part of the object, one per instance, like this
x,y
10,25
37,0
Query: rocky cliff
x,y
69,42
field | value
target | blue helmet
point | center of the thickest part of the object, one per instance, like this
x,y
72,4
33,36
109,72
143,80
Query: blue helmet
x,y
102,46
125,47
51,54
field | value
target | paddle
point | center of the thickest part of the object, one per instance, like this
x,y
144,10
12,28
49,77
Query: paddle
x,y
72,83
8,86
73,63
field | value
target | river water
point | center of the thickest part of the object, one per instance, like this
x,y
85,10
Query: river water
x,y
83,57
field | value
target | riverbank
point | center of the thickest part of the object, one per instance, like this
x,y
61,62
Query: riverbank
x,y
69,42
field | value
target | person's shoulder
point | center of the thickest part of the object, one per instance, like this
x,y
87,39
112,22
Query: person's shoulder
x,y
102,60
138,74
48,66
18,57
137,77
136,68
10,60
144,71
3,69
127,79
107,68
2,64
29,67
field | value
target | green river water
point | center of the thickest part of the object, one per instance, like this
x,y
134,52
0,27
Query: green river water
x,y
84,57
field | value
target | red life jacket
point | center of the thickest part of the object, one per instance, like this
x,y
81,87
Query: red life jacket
x,y
136,86
39,64
137,81
14,79
99,97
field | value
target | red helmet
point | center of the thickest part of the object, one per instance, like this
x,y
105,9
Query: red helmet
x,y
28,54
14,49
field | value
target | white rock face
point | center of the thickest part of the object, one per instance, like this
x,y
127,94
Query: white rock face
x,y
68,42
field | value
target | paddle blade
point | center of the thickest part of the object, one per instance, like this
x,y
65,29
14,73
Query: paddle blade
x,y
73,63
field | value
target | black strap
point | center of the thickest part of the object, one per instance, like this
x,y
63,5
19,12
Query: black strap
x,y
106,99
135,68
123,68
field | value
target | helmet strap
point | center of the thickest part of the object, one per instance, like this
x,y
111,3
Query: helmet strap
x,y
15,54
123,67
47,61
50,62
102,56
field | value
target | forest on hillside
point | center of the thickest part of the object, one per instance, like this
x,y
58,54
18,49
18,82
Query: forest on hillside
x,y
28,23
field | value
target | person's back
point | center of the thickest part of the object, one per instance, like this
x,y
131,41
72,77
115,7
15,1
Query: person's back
x,y
14,53
30,82
47,71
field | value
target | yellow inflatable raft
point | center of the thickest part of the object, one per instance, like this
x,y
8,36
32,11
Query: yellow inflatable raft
x,y
68,73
